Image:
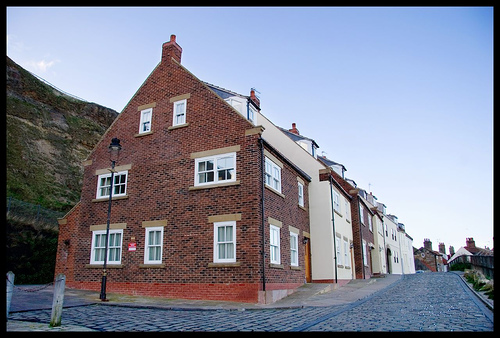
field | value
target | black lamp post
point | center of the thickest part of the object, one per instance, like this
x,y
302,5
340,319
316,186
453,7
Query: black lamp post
x,y
114,148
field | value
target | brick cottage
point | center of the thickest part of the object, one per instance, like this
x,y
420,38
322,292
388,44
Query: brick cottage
x,y
202,206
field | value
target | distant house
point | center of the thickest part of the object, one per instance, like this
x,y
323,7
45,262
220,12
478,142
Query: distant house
x,y
428,259
203,207
479,258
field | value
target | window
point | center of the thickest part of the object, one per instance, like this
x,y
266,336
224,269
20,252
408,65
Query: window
x,y
154,245
99,247
365,258
252,114
275,244
273,175
362,214
336,202
215,169
225,242
347,258
145,124
179,112
119,184
294,249
301,194
370,225
338,248
347,210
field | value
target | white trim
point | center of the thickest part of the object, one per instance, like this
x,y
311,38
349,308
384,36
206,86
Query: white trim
x,y
105,176
274,242
179,118
294,252
146,117
212,171
110,246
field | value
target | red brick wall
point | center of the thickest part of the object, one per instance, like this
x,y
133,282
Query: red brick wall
x,y
158,189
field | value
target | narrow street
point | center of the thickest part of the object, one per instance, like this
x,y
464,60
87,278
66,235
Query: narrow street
x,y
419,302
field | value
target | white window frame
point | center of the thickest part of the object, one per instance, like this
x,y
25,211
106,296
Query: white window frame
x,y
370,225
216,161
339,249
301,193
274,244
294,249
179,118
347,210
252,114
226,242
112,247
146,118
336,202
362,214
272,175
148,245
365,254
103,185
347,258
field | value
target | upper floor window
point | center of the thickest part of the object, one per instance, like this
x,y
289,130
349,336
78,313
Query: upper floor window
x,y
370,225
362,214
119,184
347,210
336,202
215,169
252,114
301,193
273,175
145,124
179,112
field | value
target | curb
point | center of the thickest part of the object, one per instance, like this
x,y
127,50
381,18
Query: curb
x,y
478,295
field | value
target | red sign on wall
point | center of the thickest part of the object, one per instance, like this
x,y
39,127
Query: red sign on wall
x,y
132,246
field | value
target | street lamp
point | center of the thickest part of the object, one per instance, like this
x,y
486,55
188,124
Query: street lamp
x,y
114,150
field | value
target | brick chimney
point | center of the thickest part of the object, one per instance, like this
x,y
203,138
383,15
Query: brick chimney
x,y
470,243
442,248
171,50
452,250
254,98
427,244
294,129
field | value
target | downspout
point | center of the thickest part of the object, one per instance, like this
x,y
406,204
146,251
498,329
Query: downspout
x,y
334,235
263,220
361,235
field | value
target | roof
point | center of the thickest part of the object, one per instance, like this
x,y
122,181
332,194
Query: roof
x,y
330,163
296,137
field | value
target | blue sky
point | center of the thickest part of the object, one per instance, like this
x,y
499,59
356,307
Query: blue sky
x,y
403,97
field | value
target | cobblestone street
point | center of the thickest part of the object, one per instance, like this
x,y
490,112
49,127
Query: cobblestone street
x,y
420,302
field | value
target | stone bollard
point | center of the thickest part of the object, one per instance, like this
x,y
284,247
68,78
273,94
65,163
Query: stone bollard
x,y
10,290
58,300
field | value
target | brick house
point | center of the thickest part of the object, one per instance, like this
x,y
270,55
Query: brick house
x,y
428,259
203,207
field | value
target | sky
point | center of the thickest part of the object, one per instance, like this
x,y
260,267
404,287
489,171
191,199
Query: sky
x,y
401,96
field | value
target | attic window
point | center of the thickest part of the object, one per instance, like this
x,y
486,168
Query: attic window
x,y
145,124
179,112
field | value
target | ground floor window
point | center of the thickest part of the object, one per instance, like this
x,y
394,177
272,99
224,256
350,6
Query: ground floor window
x,y
99,247
225,242
275,244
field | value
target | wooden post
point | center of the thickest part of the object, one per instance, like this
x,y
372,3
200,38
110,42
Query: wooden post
x,y
58,300
10,290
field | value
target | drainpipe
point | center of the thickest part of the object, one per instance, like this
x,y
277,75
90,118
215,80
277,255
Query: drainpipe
x,y
263,217
333,226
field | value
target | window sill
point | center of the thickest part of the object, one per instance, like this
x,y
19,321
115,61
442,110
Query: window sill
x,y
143,134
338,213
292,267
303,208
178,126
215,185
276,266
224,265
102,199
151,266
100,266
275,191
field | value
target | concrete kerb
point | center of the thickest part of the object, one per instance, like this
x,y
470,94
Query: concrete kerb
x,y
486,301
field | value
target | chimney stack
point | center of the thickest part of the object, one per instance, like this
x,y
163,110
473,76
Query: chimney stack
x,y
254,98
470,243
294,129
171,50
427,244
452,250
442,248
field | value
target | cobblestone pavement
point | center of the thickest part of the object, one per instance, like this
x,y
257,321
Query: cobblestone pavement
x,y
420,302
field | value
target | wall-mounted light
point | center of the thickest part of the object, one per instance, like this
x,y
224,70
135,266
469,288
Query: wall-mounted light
x,y
305,240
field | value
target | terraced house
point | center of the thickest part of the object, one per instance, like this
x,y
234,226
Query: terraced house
x,y
203,207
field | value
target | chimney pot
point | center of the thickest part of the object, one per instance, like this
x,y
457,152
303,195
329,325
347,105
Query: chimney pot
x,y
294,129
